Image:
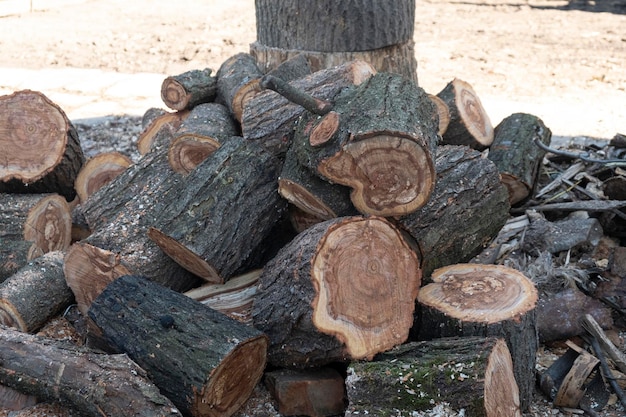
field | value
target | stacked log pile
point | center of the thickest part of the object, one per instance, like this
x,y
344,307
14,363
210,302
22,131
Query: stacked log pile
x,y
296,219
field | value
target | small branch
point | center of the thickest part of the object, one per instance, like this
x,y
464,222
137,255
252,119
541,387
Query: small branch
x,y
296,96
606,371
583,156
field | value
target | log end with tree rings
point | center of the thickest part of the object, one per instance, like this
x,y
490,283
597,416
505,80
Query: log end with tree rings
x,y
186,152
98,171
367,280
174,95
443,112
48,226
302,198
389,175
33,138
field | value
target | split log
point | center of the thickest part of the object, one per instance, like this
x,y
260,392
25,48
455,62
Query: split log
x,y
35,293
313,195
93,384
42,151
516,155
485,300
474,374
200,135
237,81
206,363
31,225
221,211
469,123
157,130
187,90
98,171
468,192
381,143
342,289
269,118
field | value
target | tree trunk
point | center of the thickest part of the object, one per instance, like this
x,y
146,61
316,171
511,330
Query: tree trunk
x,y
98,171
382,146
202,132
471,373
31,225
468,192
41,145
343,289
269,118
330,33
205,362
237,82
516,154
187,90
469,123
35,293
94,384
485,300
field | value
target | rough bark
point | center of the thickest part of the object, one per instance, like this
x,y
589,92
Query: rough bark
x,y
200,134
383,148
485,300
269,118
222,211
469,122
237,82
187,90
516,155
93,384
35,293
41,145
31,225
98,171
343,289
470,373
468,192
206,363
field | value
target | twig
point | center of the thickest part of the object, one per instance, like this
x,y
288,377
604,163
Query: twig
x,y
606,371
282,87
616,355
583,156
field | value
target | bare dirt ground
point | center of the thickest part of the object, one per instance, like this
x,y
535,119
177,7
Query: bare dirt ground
x,y
564,61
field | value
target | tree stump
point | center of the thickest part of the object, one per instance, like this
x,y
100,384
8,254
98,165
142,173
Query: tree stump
x,y
187,90
31,225
381,143
330,33
200,134
93,384
35,293
342,289
42,153
470,373
206,363
222,211
269,118
237,81
98,171
485,300
469,123
516,154
468,191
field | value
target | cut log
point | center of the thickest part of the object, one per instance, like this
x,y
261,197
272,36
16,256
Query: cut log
x,y
93,384
98,171
13,400
206,363
237,82
313,195
474,374
292,69
516,155
31,225
468,192
343,289
41,147
158,129
269,118
383,146
443,112
35,293
469,123
222,211
200,135
187,90
485,300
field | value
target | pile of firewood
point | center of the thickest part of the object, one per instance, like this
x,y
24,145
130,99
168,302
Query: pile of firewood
x,y
300,225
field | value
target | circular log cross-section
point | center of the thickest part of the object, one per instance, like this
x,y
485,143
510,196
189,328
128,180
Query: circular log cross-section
x,y
98,171
189,89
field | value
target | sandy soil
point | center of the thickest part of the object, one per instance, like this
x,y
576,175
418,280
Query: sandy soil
x,y
564,61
